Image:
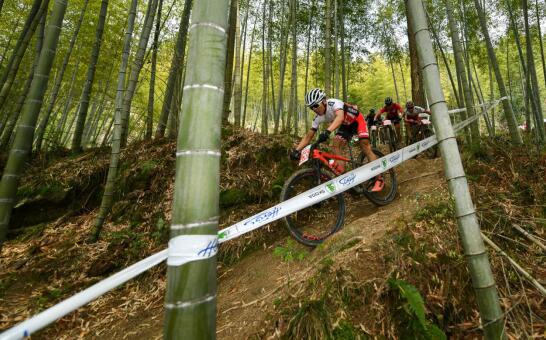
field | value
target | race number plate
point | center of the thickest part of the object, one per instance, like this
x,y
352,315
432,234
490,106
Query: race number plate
x,y
305,154
374,127
386,122
425,121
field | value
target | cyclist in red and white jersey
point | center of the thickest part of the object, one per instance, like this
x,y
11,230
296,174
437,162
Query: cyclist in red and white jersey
x,y
348,121
411,116
394,112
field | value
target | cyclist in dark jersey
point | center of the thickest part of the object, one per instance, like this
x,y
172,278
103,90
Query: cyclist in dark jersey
x,y
348,121
394,112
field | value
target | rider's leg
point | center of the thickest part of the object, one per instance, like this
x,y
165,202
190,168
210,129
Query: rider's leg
x,y
339,146
367,150
398,135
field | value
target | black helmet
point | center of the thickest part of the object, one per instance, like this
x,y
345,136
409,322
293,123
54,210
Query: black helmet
x,y
388,101
372,110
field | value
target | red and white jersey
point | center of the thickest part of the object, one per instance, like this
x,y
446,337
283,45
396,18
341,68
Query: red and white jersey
x,y
332,105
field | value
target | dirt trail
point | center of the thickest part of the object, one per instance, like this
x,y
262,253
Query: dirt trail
x,y
248,290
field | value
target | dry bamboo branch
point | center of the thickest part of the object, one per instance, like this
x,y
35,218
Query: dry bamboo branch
x,y
522,271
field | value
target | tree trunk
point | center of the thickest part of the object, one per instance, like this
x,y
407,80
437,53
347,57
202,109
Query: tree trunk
x,y
136,67
248,71
190,300
107,197
155,47
176,64
308,49
283,53
417,87
341,10
230,53
327,47
55,134
460,67
22,143
239,67
541,44
293,107
86,93
539,117
265,81
475,252
509,114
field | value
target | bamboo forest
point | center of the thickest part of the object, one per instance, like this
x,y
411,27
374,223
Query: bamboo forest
x,y
272,169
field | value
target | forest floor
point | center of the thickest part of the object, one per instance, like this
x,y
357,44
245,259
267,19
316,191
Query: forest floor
x,y
372,278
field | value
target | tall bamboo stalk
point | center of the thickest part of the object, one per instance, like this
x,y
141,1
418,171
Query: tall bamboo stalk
x,y
86,93
22,143
508,112
136,67
475,251
327,47
58,80
107,197
151,93
190,301
230,53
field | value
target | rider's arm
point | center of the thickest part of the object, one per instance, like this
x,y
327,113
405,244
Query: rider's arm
x,y
306,139
378,114
340,116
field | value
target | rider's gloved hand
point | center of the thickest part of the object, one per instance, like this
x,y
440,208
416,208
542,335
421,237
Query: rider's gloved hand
x,y
295,154
376,122
323,137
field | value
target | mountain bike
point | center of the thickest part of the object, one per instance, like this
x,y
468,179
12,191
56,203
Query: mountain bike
x,y
312,225
390,135
420,131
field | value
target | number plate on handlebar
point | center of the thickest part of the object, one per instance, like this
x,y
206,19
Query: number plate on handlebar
x,y
386,122
425,121
305,154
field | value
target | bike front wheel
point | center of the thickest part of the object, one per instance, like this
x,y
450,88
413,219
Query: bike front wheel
x,y
312,225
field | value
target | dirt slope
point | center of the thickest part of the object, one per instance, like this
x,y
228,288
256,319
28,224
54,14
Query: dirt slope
x,y
249,289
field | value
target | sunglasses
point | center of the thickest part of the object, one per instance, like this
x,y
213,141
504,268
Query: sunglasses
x,y
314,106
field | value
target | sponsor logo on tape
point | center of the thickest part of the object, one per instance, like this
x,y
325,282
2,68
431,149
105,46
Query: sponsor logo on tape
x,y
394,158
384,163
425,143
412,150
331,187
347,180
375,167
266,215
418,147
317,193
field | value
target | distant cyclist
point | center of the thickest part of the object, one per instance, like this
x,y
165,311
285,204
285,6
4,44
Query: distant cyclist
x,y
370,117
348,121
394,112
411,116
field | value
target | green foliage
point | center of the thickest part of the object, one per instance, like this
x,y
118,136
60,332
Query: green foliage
x,y
231,197
436,212
290,252
414,318
132,241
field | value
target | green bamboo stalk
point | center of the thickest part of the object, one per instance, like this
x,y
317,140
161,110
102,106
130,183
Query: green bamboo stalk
x,y
190,300
86,93
475,251
155,47
176,65
14,117
459,66
107,197
19,51
230,53
508,112
58,80
22,143
136,67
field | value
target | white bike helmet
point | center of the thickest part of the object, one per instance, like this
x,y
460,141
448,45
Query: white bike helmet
x,y
314,97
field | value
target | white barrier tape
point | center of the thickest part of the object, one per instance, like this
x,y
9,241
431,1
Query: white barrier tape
x,y
50,315
326,190
189,248
304,200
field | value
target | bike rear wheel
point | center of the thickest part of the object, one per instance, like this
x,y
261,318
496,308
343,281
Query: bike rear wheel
x,y
385,196
391,135
312,225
